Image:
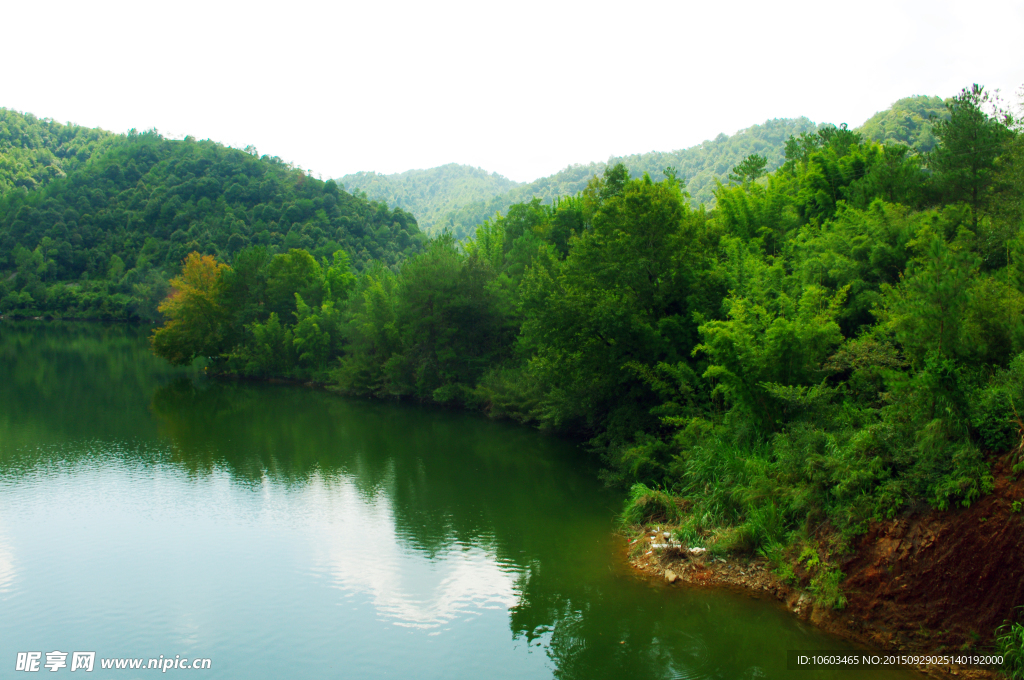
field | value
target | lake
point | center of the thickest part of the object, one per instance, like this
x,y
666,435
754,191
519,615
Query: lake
x,y
148,512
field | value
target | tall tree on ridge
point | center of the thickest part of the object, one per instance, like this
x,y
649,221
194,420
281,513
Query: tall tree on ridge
x,y
969,143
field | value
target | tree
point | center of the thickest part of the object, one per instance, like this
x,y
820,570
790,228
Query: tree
x,y
615,178
928,309
289,273
969,143
197,322
619,297
752,167
448,319
338,279
244,287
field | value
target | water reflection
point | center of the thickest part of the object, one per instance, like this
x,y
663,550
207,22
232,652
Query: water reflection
x,y
6,564
68,380
391,486
412,540
360,549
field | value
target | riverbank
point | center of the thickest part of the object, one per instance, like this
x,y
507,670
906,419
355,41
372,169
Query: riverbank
x,y
925,582
929,581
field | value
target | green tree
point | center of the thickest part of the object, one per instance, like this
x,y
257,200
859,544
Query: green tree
x,y
927,310
289,273
620,296
752,168
197,321
969,143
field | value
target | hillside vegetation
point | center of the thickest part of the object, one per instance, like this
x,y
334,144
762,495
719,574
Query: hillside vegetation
x,y
102,241
909,121
430,194
836,341
699,167
35,151
459,198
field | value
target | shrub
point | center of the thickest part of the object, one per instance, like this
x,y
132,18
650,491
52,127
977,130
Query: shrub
x,y
1010,644
825,587
649,505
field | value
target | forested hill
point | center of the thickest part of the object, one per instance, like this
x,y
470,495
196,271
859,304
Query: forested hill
x,y
460,198
430,194
103,241
909,121
34,151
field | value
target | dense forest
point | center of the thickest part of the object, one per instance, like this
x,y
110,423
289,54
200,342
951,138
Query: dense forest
x,y
34,152
95,224
460,198
837,340
698,167
909,121
430,194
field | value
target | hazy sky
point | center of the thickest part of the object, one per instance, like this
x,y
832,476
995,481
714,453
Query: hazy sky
x,y
520,88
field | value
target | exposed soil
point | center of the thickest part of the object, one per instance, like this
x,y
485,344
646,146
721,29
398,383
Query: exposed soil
x,y
941,580
931,582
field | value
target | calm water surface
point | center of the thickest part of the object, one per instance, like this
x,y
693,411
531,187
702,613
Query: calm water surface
x,y
287,533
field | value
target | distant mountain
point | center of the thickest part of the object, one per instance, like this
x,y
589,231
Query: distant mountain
x,y
430,194
699,166
459,198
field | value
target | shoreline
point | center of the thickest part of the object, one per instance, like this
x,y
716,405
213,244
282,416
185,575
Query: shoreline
x,y
886,561
752,579
927,582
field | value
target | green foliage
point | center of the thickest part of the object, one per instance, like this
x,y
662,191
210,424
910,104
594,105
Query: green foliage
x,y
102,238
34,151
431,194
269,351
927,310
459,198
825,588
751,169
233,315
196,315
834,342
1009,640
779,562
614,299
289,274
509,392
646,505
971,140
910,122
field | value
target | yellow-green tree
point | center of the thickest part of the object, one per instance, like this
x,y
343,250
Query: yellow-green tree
x,y
197,321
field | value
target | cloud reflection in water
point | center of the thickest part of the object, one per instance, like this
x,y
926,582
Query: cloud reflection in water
x,y
359,549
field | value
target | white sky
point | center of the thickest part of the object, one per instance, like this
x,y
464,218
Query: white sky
x,y
522,88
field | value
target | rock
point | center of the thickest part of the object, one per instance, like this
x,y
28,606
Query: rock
x,y
670,576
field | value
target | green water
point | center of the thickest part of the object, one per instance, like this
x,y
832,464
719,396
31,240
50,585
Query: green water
x,y
283,532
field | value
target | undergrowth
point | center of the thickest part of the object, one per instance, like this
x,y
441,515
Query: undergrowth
x,y
1010,644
